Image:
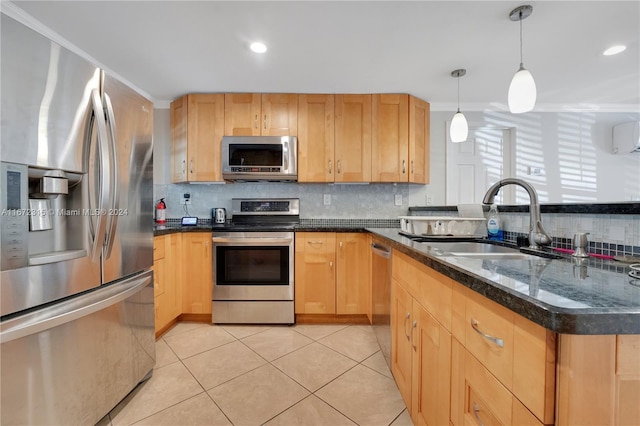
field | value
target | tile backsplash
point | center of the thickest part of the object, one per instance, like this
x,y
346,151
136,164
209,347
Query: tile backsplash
x,y
365,201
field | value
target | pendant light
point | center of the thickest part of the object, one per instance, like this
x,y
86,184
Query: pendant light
x,y
459,129
522,90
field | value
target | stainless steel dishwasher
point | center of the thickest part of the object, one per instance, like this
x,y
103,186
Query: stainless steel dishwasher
x,y
381,296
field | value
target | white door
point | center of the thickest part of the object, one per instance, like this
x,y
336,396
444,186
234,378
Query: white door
x,y
476,164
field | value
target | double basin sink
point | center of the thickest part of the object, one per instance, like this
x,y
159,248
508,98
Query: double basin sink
x,y
482,250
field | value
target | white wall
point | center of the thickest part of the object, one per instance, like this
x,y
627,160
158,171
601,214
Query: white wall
x,y
572,148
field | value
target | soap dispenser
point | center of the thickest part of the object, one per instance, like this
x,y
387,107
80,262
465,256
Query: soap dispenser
x,y
494,230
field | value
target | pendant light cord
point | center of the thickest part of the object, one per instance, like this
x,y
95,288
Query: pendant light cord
x,y
458,93
521,61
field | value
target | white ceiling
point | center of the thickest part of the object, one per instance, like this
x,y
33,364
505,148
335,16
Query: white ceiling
x,y
169,48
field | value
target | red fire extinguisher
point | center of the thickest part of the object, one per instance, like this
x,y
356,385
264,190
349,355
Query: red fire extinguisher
x,y
161,211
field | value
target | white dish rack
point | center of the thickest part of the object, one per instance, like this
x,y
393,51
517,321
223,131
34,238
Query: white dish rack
x,y
443,225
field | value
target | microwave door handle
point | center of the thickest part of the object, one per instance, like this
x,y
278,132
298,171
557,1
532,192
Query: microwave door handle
x,y
114,203
104,185
285,152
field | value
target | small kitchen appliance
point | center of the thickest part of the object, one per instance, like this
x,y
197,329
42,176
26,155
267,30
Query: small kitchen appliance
x,y
260,158
253,263
219,215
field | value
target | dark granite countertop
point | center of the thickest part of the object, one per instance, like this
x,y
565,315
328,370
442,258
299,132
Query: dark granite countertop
x,y
590,297
172,228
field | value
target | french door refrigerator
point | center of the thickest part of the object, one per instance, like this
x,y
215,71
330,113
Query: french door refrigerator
x,y
76,286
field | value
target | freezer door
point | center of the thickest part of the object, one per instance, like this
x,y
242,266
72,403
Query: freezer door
x,y
129,241
45,99
71,363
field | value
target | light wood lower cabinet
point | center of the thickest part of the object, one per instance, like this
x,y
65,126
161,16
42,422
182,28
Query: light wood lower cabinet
x,y
598,380
332,273
315,281
197,291
167,280
182,277
504,361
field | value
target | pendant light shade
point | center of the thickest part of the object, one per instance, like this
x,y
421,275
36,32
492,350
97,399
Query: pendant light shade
x,y
522,90
459,129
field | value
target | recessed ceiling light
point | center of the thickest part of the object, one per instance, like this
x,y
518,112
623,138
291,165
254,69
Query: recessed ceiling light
x,y
258,47
614,50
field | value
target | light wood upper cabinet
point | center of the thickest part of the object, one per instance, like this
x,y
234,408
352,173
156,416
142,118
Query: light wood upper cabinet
x,y
197,125
390,138
197,292
316,136
419,137
255,114
353,138
400,141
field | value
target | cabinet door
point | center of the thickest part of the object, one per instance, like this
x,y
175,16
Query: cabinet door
x,y
419,137
353,281
353,138
173,282
316,138
401,351
279,114
197,288
431,370
315,285
205,116
477,397
242,114
390,138
178,120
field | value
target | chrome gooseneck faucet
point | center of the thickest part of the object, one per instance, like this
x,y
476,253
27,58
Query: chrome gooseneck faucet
x,y
537,235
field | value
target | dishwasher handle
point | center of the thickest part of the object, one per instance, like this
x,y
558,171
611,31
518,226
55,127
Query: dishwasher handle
x,y
381,250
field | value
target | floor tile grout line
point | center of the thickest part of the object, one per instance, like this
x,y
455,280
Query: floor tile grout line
x,y
271,362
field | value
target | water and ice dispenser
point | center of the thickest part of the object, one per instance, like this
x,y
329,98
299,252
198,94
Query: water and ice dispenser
x,y
44,221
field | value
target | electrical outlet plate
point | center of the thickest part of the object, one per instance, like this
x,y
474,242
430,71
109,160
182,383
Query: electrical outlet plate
x,y
186,199
398,199
326,199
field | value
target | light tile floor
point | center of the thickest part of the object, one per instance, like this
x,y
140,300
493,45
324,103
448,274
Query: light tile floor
x,y
273,375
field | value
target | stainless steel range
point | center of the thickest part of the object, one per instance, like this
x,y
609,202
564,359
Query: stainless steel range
x,y
253,262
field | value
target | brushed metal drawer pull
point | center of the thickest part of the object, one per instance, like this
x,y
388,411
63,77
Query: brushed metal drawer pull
x,y
476,414
405,325
413,169
404,166
312,242
495,340
413,327
330,167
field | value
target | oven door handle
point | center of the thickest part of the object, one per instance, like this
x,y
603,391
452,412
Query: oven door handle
x,y
251,241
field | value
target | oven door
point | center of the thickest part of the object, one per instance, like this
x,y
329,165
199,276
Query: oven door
x,y
253,266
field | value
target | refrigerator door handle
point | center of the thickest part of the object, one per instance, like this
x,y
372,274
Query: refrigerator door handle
x,y
105,184
62,313
114,203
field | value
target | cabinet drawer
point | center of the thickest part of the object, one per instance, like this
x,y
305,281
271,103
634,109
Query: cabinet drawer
x,y
158,247
489,336
430,288
477,397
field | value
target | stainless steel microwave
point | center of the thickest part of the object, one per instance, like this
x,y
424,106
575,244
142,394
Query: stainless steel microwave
x,y
255,158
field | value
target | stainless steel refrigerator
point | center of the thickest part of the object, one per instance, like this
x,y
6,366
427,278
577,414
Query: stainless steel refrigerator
x,y
76,288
